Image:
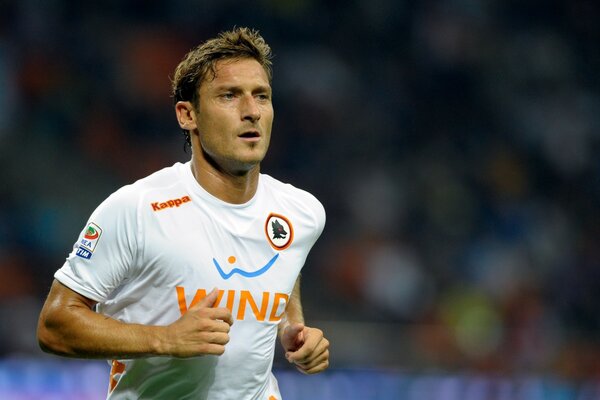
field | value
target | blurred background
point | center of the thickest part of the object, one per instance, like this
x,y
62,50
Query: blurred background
x,y
453,143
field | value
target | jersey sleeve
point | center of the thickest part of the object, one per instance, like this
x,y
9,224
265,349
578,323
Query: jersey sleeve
x,y
319,212
103,256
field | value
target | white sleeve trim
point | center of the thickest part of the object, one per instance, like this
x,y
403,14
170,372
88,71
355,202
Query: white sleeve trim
x,y
76,287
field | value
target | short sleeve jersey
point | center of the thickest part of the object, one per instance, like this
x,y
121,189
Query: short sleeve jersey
x,y
156,247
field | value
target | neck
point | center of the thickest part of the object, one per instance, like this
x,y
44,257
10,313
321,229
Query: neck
x,y
229,187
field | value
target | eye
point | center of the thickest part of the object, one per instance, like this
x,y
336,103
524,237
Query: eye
x,y
263,97
227,96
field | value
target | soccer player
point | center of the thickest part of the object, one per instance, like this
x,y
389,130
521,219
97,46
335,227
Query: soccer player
x,y
185,278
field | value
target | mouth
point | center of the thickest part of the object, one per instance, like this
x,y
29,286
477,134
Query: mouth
x,y
251,135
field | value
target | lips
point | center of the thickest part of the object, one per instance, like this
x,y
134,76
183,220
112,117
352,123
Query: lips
x,y
251,135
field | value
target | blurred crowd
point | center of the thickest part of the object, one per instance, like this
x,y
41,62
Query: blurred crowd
x,y
453,143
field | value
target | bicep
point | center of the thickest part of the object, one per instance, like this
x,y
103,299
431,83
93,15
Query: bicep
x,y
60,304
61,297
61,316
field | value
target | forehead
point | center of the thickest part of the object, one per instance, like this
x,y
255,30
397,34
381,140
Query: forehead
x,y
237,72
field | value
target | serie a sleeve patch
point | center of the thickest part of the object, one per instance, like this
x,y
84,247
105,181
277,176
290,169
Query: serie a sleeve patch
x,y
89,240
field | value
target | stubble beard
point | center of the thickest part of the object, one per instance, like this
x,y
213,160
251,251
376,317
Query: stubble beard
x,y
230,165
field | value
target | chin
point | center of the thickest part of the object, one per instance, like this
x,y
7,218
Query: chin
x,y
252,157
244,165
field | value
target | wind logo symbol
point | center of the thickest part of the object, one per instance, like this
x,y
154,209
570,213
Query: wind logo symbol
x,y
245,274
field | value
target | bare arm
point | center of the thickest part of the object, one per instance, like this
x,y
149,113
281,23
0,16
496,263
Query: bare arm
x,y
293,311
69,327
304,346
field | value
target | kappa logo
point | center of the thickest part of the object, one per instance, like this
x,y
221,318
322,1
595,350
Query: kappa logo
x,y
279,231
89,241
158,206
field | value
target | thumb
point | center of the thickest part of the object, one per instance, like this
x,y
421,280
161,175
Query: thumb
x,y
208,301
293,330
293,336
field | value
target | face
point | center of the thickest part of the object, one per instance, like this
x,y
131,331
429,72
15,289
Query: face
x,y
234,116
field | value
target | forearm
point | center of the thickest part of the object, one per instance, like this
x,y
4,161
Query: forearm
x,y
293,311
304,346
69,327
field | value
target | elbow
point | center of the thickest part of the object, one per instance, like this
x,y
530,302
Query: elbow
x,y
46,345
46,339
49,338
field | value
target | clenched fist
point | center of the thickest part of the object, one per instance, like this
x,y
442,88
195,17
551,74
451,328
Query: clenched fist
x,y
201,330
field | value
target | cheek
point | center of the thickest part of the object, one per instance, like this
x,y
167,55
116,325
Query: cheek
x,y
211,119
212,129
210,140
268,120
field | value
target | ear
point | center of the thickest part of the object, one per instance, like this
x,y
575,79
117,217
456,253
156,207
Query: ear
x,y
186,115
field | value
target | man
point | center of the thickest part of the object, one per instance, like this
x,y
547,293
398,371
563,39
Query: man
x,y
194,270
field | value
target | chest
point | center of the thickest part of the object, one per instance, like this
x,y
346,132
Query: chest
x,y
199,248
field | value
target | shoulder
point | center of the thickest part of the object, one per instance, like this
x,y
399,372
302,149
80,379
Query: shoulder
x,y
299,200
290,193
162,179
129,197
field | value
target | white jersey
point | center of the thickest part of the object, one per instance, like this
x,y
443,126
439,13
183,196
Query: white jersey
x,y
154,248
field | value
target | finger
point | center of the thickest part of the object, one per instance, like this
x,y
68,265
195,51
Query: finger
x,y
217,326
293,330
220,338
317,352
300,355
222,314
211,349
293,337
312,340
321,359
208,300
322,366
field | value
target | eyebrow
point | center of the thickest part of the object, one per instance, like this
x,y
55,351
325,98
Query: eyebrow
x,y
238,88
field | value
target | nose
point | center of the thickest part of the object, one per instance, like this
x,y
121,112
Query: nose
x,y
250,111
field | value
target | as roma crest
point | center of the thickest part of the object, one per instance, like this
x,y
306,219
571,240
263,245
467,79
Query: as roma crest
x,y
279,231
